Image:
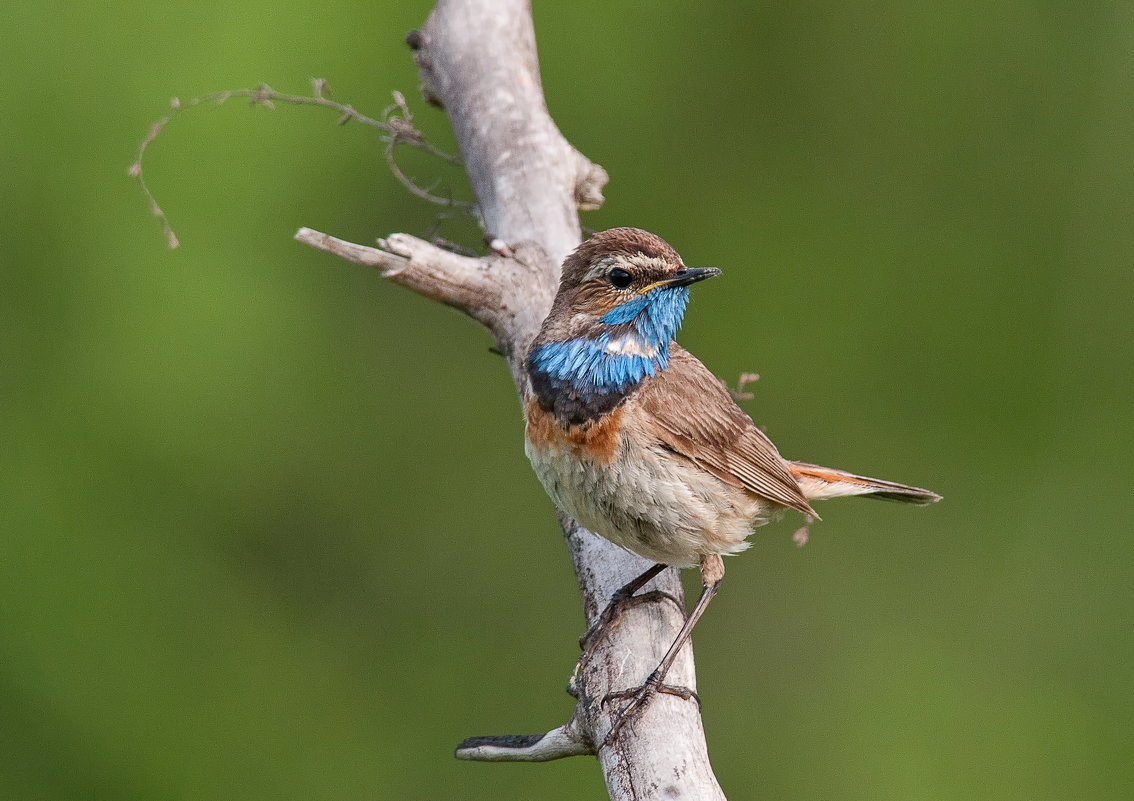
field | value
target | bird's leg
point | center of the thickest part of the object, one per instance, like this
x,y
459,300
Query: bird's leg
x,y
618,602
712,572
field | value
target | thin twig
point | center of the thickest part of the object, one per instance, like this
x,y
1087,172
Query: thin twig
x,y
407,132
396,126
738,392
409,183
400,130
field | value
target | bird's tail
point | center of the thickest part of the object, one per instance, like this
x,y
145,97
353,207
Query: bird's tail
x,y
820,483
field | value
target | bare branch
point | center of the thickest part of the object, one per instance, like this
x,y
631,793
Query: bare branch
x,y
564,741
477,60
484,288
359,254
434,272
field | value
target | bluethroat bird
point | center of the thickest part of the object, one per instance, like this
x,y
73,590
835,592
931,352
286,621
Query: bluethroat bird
x,y
637,441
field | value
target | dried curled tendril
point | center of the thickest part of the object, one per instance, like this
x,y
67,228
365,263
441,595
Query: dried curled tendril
x,y
396,126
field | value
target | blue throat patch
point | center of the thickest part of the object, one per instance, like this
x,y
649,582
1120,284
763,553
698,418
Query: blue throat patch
x,y
616,360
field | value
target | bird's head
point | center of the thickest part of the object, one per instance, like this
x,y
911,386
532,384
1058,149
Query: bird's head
x,y
620,302
623,282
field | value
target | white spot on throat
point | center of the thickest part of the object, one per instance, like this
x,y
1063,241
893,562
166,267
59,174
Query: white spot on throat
x,y
630,345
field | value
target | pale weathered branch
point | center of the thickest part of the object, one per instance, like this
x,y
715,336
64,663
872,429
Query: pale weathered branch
x,y
438,274
478,61
560,742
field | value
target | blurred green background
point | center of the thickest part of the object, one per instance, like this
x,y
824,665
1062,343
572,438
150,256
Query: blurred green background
x,y
268,529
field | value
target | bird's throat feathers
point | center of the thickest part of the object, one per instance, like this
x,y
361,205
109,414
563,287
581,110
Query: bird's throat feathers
x,y
583,377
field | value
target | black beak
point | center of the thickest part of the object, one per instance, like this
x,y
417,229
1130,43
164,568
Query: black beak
x,y
691,275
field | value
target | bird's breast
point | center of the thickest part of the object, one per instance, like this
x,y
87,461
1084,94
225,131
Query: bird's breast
x,y
595,441
615,479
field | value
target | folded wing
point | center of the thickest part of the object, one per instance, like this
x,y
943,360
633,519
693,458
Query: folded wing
x,y
692,414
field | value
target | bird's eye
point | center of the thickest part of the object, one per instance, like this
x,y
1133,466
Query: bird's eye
x,y
620,278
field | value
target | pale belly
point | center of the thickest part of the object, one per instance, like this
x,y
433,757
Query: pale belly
x,y
646,499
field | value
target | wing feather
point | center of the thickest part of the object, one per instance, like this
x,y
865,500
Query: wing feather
x,y
692,414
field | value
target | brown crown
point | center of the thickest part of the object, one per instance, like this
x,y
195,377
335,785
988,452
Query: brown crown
x,y
616,241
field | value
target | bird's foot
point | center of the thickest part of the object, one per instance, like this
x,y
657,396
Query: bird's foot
x,y
619,603
639,696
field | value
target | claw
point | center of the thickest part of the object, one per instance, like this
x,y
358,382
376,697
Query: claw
x,y
639,696
712,571
619,603
618,600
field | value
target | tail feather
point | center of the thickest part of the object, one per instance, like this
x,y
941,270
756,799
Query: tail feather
x,y
820,483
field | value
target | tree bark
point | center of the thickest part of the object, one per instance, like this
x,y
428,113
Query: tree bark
x,y
477,59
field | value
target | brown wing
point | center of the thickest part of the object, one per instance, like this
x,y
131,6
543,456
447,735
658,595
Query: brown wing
x,y
693,415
